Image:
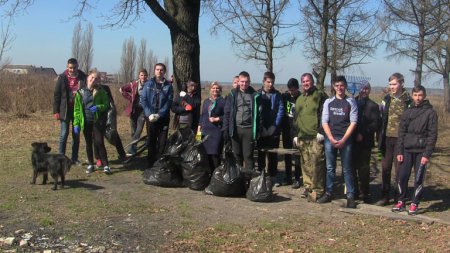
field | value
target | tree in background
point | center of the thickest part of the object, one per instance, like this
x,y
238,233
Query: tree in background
x,y
76,41
340,34
127,61
151,62
414,28
142,55
256,27
437,59
87,50
82,46
6,40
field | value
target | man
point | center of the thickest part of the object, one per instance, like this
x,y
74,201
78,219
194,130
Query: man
x,y
238,123
392,107
270,110
156,100
368,124
132,92
309,137
417,137
66,87
339,118
288,131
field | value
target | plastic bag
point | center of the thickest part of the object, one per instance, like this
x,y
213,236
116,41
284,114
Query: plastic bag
x,y
196,172
178,141
260,189
227,179
163,173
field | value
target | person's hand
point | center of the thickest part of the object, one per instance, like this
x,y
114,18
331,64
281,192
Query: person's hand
x,y
320,137
182,93
424,160
57,116
188,107
400,158
93,108
76,130
153,117
295,142
271,130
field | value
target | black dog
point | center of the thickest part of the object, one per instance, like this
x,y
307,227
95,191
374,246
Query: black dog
x,y
44,163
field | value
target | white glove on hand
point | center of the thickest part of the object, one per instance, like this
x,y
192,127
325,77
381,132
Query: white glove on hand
x,y
320,137
271,130
153,117
295,142
182,93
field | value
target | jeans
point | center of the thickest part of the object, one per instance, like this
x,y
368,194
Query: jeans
x,y
63,139
346,161
137,122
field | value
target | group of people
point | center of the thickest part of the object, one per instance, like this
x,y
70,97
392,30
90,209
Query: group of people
x,y
306,118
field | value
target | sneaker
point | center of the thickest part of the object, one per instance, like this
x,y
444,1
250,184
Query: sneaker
x,y
413,209
287,182
76,162
125,159
90,169
399,207
296,185
326,198
98,163
382,202
304,193
351,203
107,170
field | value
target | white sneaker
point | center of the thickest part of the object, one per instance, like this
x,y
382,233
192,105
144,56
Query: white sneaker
x,y
90,169
107,170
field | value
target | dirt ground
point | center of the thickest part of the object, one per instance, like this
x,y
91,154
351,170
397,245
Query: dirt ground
x,y
119,213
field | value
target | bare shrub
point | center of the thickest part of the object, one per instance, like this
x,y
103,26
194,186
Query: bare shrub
x,y
25,94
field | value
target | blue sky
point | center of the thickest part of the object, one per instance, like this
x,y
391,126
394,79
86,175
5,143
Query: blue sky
x,y
43,37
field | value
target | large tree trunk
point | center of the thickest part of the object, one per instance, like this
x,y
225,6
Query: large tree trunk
x,y
323,46
446,77
181,17
420,53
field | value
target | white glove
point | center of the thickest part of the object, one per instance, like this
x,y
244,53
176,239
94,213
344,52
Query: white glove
x,y
153,117
295,142
320,137
182,93
271,130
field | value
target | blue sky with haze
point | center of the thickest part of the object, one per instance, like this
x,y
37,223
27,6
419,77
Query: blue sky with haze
x,y
43,37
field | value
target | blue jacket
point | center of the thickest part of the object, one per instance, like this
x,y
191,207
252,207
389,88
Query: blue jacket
x,y
273,117
150,104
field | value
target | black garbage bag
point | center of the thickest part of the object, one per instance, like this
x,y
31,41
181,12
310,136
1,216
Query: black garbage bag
x,y
178,141
196,172
260,188
227,180
164,173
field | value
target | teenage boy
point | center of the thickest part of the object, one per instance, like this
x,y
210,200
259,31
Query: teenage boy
x,y
392,107
288,132
339,117
66,87
417,137
156,100
132,92
270,110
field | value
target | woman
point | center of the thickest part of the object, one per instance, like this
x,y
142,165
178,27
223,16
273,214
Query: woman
x,y
186,107
90,115
210,125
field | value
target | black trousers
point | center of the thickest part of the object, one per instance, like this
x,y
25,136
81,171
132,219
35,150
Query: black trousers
x,y
156,138
242,145
411,160
94,135
287,137
272,158
388,158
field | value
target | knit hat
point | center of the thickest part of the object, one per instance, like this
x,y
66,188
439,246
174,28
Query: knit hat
x,y
363,84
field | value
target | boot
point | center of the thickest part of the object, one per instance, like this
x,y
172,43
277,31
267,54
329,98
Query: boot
x,y
383,201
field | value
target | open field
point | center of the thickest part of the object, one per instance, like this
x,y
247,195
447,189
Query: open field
x,y
118,213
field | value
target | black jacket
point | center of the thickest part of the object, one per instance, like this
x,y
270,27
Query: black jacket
x,y
369,120
229,119
62,95
418,130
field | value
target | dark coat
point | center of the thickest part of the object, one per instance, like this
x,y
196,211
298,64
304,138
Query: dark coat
x,y
229,120
129,92
178,107
62,94
214,130
418,130
273,117
369,121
